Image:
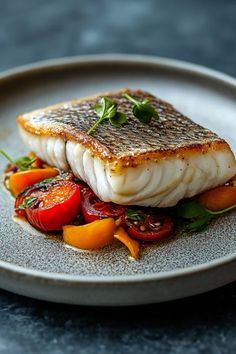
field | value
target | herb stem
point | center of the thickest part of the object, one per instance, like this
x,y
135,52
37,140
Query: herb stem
x,y
106,109
27,164
94,126
131,99
7,157
221,211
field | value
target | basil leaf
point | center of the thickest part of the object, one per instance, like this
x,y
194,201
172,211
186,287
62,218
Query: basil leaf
x,y
197,216
191,210
199,224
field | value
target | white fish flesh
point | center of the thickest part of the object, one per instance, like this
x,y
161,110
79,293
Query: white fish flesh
x,y
154,164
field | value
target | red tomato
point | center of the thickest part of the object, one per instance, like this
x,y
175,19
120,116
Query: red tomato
x,y
94,209
153,226
82,185
49,206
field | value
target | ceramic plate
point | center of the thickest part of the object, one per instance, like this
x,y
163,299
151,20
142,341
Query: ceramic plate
x,y
38,266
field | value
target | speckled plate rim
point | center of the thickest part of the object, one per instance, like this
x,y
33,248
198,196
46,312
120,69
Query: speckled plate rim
x,y
5,266
118,59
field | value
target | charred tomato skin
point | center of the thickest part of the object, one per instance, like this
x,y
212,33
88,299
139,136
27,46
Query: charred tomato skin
x,y
94,209
154,226
62,199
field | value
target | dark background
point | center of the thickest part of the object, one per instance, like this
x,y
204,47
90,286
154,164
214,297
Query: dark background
x,y
200,31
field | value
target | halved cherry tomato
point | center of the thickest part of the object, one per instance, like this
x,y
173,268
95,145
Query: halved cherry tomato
x,y
49,206
82,185
20,180
95,235
94,209
153,226
133,245
218,198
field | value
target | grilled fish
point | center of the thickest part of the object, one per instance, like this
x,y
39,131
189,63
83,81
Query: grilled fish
x,y
155,164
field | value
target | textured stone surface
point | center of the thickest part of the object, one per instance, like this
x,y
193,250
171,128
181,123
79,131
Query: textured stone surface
x,y
199,31
205,324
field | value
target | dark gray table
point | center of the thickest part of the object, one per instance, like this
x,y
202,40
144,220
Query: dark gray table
x,y
202,31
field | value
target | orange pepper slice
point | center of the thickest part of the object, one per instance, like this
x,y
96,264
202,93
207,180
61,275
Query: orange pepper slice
x,y
133,245
20,180
94,235
218,198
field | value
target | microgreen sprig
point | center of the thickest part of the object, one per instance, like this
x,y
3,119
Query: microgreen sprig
x,y
135,215
63,176
142,110
23,163
106,109
198,216
28,202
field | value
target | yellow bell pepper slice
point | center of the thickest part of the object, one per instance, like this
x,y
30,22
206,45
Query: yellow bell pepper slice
x,y
94,235
20,180
133,245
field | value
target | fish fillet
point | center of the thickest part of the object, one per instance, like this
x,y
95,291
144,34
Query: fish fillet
x,y
155,164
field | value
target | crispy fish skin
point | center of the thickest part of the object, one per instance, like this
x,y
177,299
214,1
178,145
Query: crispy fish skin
x,y
152,165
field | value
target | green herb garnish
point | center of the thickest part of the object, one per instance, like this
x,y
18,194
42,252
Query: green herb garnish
x,y
23,163
28,202
197,216
142,110
134,215
190,210
219,212
106,109
61,177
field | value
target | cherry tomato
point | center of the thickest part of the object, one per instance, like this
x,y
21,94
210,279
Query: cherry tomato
x,y
82,185
94,209
153,225
51,205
